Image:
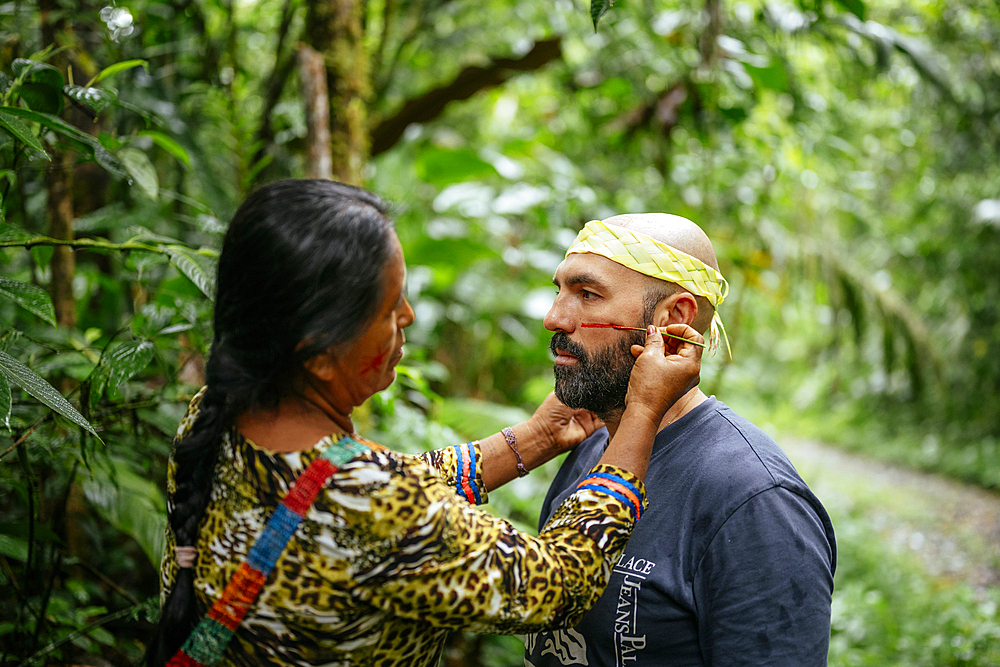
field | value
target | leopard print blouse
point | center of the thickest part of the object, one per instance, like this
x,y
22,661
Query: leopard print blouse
x,y
393,555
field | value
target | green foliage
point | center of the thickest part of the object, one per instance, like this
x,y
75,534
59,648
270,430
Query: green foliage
x,y
17,373
30,297
599,8
132,503
842,155
886,610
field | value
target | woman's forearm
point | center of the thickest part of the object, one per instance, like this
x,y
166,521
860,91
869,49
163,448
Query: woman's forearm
x,y
499,464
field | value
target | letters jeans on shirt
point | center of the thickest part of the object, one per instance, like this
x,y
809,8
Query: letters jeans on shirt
x,y
570,647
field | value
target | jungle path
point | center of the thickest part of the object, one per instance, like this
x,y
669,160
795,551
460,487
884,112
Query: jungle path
x,y
953,528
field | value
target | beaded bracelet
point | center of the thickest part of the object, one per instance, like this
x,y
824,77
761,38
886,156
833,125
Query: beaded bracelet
x,y
509,436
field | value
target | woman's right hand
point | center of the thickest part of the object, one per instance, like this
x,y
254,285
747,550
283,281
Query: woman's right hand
x,y
665,369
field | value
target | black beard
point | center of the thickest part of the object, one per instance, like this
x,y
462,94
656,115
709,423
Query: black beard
x,y
597,382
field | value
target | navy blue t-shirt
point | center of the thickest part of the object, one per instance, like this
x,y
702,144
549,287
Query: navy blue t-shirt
x,y
731,564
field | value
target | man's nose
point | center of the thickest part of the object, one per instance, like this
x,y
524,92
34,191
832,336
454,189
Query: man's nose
x,y
558,318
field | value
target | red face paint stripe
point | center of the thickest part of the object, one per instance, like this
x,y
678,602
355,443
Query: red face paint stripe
x,y
375,363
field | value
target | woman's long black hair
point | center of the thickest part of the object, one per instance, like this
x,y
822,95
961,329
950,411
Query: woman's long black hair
x,y
300,271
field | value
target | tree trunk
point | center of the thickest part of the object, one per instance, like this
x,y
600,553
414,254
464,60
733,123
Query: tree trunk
x,y
335,29
312,71
59,186
709,48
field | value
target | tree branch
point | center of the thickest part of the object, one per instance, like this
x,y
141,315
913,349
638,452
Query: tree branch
x,y
467,83
275,82
388,9
417,21
92,243
662,114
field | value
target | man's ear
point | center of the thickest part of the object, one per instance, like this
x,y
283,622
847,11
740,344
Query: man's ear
x,y
678,308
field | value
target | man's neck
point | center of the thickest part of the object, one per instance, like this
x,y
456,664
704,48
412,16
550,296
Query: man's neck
x,y
681,407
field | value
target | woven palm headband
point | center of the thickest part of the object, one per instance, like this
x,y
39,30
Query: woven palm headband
x,y
643,253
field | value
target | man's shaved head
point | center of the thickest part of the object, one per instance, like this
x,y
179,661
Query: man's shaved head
x,y
675,231
679,233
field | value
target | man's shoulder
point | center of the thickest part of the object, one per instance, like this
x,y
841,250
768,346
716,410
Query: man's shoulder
x,y
715,419
722,454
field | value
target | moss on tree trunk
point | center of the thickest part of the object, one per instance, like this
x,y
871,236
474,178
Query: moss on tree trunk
x,y
335,29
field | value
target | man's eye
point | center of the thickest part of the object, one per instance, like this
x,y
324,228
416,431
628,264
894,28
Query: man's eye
x,y
587,294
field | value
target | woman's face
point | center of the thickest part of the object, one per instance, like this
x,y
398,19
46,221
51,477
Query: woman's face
x,y
371,360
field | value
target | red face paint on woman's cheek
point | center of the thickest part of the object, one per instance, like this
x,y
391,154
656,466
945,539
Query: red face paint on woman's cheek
x,y
376,362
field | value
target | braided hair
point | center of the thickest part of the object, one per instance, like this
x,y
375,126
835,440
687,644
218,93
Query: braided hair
x,y
300,271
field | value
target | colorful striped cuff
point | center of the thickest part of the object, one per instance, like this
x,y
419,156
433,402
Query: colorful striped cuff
x,y
466,471
616,487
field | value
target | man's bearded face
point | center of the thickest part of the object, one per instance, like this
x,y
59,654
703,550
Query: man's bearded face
x,y
598,381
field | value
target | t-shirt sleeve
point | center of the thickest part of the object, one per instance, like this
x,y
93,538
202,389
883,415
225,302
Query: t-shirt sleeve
x,y
427,555
460,466
764,586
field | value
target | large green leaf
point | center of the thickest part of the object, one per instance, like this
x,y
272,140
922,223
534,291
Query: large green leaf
x,y
30,297
141,169
444,167
33,383
197,268
76,136
110,163
42,85
856,7
132,504
37,71
42,254
9,232
95,99
5,401
126,360
111,70
14,538
21,132
42,97
599,8
169,145
14,547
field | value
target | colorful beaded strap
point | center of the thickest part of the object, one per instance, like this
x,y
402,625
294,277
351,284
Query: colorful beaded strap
x,y
209,639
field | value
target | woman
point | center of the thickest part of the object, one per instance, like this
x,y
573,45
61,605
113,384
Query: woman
x,y
390,554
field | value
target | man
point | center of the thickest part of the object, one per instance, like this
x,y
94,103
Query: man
x,y
732,563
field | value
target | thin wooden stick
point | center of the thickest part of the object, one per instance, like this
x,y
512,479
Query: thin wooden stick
x,y
595,325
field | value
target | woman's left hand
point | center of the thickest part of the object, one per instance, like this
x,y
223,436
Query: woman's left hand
x,y
564,427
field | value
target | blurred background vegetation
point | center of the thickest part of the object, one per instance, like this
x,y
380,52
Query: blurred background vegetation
x,y
844,156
